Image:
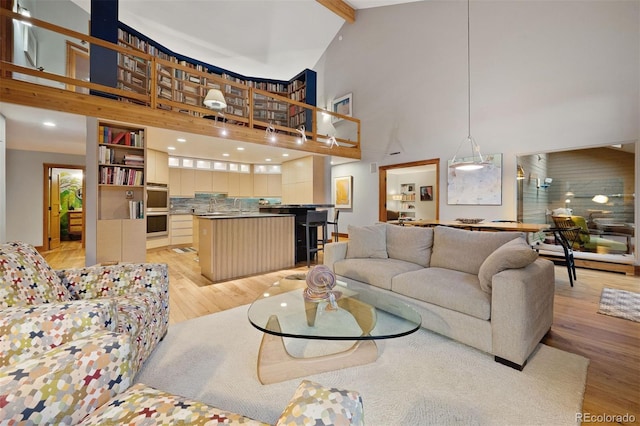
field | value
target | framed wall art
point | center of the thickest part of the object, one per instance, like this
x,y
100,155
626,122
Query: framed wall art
x,y
426,193
342,192
476,187
343,106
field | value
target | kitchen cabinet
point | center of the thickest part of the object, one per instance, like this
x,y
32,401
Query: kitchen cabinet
x,y
220,182
182,182
157,167
267,185
303,180
174,182
203,181
121,240
181,231
240,185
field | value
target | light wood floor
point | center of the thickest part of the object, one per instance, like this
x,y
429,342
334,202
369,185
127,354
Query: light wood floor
x,y
612,344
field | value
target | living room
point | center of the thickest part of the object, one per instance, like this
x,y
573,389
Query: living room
x,y
544,77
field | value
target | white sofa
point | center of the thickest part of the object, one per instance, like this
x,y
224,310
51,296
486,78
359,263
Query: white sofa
x,y
488,290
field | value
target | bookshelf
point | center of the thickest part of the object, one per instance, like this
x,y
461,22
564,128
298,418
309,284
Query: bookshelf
x,y
177,84
121,223
408,200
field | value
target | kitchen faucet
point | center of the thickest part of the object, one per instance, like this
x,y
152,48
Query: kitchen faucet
x,y
239,201
213,204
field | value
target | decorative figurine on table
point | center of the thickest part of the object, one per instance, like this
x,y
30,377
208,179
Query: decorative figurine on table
x,y
320,282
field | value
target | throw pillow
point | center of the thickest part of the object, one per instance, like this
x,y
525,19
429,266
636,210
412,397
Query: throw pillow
x,y
410,243
367,241
463,250
512,255
314,404
26,278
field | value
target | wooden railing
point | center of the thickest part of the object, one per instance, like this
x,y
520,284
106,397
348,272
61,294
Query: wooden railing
x,y
43,89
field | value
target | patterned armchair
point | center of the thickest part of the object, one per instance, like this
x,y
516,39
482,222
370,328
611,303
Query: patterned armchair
x,y
72,341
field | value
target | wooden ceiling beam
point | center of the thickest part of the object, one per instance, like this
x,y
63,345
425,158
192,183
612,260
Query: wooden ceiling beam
x,y
340,8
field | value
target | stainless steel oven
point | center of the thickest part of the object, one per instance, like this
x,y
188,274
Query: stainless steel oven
x,y
157,223
157,198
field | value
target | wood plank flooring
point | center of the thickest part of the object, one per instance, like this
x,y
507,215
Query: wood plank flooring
x,y
612,344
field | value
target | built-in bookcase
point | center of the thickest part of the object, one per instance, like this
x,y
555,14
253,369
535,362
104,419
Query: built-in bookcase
x,y
179,85
121,224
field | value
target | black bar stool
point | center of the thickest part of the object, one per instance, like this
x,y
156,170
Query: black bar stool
x,y
336,215
315,219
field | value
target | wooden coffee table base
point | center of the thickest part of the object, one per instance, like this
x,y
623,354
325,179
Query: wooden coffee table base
x,y
275,364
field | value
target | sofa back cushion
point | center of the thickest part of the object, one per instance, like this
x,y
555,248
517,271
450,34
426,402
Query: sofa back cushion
x,y
26,278
367,241
410,243
465,251
512,255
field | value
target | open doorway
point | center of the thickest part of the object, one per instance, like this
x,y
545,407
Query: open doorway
x,y
409,190
63,215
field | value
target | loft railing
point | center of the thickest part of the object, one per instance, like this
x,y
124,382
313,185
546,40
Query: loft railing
x,y
43,87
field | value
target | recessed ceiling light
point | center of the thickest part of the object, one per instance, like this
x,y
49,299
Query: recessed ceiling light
x,y
267,159
181,140
225,155
240,148
285,155
49,124
171,148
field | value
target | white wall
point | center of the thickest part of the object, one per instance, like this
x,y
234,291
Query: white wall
x,y
24,210
3,179
545,76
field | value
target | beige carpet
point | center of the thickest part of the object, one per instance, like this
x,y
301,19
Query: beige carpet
x,y
420,379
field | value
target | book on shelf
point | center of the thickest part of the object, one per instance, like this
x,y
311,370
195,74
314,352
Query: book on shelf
x,y
136,210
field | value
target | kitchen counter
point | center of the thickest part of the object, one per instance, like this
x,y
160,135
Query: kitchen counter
x,y
239,245
297,206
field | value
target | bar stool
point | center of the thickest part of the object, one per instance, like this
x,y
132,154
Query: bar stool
x,y
315,219
335,225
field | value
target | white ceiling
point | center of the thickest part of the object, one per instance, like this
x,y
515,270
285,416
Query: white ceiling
x,y
262,38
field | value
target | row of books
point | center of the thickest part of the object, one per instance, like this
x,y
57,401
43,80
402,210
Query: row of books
x,y
114,175
115,136
136,210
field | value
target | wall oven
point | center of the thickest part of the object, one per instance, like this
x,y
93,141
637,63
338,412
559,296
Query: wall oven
x,y
157,223
157,198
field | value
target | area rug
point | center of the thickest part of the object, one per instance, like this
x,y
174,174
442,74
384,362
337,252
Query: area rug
x,y
620,303
419,379
184,250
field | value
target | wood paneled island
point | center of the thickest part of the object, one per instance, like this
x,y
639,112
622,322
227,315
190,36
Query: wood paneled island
x,y
239,245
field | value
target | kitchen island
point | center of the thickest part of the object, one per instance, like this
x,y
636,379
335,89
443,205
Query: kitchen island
x,y
300,212
238,245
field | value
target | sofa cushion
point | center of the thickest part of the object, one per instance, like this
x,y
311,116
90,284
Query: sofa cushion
x,y
314,404
144,405
455,290
26,278
465,251
512,255
376,272
367,241
410,243
65,384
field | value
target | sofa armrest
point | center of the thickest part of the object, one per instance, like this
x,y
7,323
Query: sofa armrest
x,y
521,309
108,281
67,383
27,332
334,252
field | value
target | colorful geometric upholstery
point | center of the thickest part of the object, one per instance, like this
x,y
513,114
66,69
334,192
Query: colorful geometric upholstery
x,y
26,278
28,332
314,405
67,383
143,405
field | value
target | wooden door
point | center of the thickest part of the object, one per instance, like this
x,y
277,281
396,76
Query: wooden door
x,y
54,212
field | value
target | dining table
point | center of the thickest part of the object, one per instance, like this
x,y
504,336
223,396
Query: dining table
x,y
481,226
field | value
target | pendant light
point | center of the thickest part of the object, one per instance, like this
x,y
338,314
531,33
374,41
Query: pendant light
x,y
477,161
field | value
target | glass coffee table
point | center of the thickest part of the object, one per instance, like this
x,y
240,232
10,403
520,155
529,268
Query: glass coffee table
x,y
357,314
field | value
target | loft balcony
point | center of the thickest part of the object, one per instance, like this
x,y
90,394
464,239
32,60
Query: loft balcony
x,y
157,92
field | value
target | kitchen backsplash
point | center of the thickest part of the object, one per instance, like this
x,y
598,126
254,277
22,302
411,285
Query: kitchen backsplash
x,y
205,202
